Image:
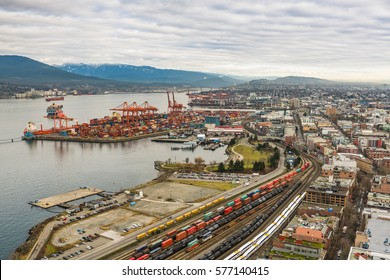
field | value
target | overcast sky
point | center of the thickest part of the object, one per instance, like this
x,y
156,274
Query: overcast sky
x,y
331,39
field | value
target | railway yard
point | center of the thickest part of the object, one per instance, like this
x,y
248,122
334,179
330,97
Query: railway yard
x,y
219,227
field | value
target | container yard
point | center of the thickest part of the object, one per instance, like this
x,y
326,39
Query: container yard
x,y
128,121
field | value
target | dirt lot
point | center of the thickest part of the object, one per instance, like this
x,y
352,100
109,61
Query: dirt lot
x,y
158,209
116,220
171,191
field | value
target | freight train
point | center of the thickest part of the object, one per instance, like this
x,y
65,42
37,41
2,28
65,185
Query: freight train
x,y
202,230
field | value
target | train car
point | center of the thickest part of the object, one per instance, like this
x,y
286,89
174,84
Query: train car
x,y
201,208
178,219
216,201
231,203
237,200
299,170
244,197
155,244
181,235
209,222
200,226
191,230
141,248
255,196
228,210
220,210
246,201
155,251
218,217
141,236
195,211
169,223
238,206
207,216
167,243
161,227
144,257
185,228
172,233
187,215
132,258
152,231
221,199
208,205
192,245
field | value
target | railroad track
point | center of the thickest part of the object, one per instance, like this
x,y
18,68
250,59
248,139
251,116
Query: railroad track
x,y
238,251
224,230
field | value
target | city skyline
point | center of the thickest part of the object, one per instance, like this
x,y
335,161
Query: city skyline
x,y
337,40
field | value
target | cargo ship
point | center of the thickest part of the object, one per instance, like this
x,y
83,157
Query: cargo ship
x,y
56,98
53,110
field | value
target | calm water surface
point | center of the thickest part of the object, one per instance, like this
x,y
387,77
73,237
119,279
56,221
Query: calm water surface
x,y
33,170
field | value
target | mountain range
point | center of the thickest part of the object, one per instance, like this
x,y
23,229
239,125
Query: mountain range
x,y
20,70
148,74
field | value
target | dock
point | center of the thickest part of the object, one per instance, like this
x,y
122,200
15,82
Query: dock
x,y
62,199
56,137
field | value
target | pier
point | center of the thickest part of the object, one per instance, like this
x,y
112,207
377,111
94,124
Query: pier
x,y
62,199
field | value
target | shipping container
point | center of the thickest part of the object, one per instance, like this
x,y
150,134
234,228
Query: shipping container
x,y
228,210
255,196
185,228
181,235
246,201
192,245
207,216
141,248
191,230
231,203
238,205
143,257
167,243
220,210
155,244
172,233
200,226
217,218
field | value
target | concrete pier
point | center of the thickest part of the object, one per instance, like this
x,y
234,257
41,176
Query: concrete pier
x,y
65,197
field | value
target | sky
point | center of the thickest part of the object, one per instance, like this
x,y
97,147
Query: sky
x,y
344,40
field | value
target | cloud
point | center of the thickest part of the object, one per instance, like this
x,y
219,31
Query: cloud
x,y
343,39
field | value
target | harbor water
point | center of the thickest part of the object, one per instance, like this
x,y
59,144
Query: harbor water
x,y
37,169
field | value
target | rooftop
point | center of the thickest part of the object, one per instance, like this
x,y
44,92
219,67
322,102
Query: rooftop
x,y
378,225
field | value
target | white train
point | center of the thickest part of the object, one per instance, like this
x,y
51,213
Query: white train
x,y
246,250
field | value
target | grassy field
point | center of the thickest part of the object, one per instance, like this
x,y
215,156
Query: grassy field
x,y
221,186
250,155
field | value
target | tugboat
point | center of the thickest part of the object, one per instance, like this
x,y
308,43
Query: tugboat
x,y
54,110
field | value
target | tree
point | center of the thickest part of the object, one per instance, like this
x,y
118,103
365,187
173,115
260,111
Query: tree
x,y
198,160
221,167
261,165
232,142
231,165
